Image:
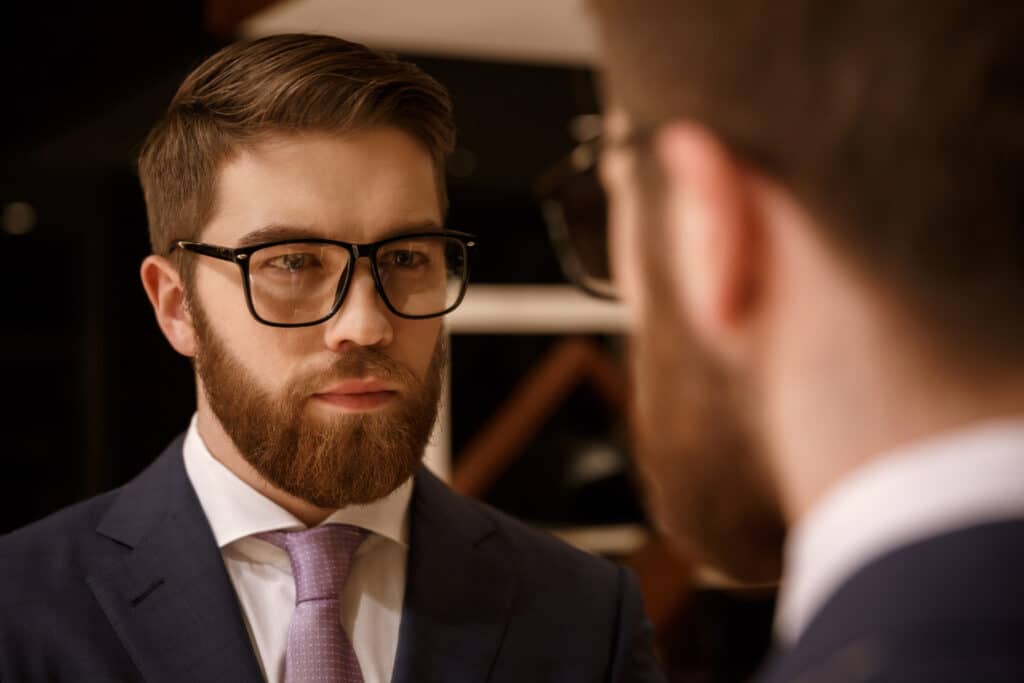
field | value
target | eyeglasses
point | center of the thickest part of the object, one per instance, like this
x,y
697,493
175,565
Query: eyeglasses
x,y
302,282
575,210
574,205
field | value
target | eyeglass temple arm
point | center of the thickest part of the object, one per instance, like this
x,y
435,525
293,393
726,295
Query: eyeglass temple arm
x,y
223,253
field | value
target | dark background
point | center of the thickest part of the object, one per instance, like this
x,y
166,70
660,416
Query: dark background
x,y
92,392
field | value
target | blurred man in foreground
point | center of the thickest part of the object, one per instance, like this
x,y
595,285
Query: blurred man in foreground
x,y
818,226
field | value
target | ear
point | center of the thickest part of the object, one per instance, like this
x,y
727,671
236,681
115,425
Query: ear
x,y
167,295
714,239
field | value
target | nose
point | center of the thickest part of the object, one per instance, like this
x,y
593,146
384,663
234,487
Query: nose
x,y
363,318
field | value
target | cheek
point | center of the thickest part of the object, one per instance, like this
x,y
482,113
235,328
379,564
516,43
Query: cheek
x,y
268,354
219,287
414,343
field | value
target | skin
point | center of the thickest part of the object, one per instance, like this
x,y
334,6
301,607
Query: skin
x,y
360,187
834,372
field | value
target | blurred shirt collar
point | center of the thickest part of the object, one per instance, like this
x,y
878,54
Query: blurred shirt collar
x,y
960,479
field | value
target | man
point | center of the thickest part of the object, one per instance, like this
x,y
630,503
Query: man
x,y
817,224
295,192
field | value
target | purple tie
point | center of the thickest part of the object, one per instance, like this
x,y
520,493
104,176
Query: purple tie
x,y
318,648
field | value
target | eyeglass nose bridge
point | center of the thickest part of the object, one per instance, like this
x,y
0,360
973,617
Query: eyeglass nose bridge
x,y
358,251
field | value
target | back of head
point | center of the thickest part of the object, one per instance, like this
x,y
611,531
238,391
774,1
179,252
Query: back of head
x,y
274,86
897,125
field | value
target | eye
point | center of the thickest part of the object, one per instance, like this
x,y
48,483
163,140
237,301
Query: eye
x,y
293,263
404,258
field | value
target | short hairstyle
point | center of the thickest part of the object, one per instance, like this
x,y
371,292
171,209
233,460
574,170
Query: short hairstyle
x,y
278,84
898,125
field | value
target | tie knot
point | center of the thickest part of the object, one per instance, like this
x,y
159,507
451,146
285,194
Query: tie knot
x,y
321,557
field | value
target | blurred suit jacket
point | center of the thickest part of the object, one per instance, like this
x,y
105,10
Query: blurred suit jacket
x,y
131,586
948,608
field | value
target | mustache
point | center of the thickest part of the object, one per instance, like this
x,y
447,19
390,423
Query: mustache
x,y
356,363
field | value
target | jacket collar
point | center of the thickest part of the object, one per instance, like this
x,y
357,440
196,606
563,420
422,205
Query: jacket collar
x,y
460,587
170,599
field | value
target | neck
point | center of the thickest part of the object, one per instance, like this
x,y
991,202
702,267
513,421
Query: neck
x,y
224,450
870,408
843,374
846,377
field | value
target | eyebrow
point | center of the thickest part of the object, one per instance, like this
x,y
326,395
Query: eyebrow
x,y
279,232
276,233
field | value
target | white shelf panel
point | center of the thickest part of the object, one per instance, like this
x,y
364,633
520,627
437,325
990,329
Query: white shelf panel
x,y
535,309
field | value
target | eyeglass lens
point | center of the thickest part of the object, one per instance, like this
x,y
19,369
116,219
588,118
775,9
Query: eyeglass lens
x,y
582,203
298,283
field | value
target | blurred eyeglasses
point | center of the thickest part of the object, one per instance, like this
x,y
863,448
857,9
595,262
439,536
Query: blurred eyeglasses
x,y
574,203
575,209
302,282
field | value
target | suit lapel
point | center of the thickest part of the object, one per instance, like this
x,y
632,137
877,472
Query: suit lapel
x,y
459,590
170,599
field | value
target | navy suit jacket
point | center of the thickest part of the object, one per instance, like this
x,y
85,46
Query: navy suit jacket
x,y
131,586
950,608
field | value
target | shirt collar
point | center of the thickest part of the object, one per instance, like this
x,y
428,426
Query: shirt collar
x,y
968,477
236,510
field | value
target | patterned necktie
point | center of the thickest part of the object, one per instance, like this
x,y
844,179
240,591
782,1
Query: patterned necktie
x,y
318,648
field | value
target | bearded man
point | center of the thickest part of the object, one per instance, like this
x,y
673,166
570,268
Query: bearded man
x,y
295,194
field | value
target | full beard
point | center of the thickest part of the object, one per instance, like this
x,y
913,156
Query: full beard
x,y
332,462
699,451
700,458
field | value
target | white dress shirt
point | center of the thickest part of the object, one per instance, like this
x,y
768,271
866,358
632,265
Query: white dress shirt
x,y
371,603
953,481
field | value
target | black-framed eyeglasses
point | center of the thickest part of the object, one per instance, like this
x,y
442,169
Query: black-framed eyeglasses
x,y
574,205
302,282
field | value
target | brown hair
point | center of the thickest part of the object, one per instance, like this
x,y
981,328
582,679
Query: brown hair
x,y
278,84
898,125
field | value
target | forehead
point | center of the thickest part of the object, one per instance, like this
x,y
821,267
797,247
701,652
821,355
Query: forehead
x,y
359,187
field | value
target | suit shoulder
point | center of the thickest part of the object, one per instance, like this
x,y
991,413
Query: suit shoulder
x,y
70,521
67,522
41,554
545,550
925,610
519,543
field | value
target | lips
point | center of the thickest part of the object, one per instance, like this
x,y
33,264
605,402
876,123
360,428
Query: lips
x,y
357,394
368,385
